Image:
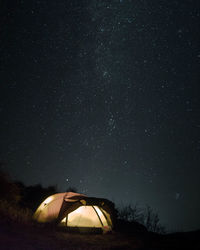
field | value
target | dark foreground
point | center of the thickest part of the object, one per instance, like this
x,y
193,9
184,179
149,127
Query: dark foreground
x,y
16,236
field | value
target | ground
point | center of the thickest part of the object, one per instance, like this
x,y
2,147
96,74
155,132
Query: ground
x,y
18,236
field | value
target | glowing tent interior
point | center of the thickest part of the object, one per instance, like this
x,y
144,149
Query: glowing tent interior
x,y
76,212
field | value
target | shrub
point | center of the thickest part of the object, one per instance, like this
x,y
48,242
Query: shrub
x,y
8,190
12,212
145,216
151,220
130,213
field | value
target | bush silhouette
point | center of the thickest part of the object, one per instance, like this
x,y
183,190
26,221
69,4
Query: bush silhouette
x,y
9,191
32,196
9,201
133,217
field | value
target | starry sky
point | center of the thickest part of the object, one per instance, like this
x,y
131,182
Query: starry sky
x,y
103,96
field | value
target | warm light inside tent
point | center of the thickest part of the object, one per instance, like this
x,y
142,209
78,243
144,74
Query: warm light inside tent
x,y
85,216
101,216
63,222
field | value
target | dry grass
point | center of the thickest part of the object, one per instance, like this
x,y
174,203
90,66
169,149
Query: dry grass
x,y
12,212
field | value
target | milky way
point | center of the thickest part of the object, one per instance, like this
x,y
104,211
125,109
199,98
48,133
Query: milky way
x,y
103,96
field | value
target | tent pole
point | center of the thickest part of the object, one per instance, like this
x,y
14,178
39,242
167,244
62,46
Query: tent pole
x,y
98,215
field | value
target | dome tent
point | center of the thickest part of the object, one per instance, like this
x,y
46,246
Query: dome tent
x,y
76,212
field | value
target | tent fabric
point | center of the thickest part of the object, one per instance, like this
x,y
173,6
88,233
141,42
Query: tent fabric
x,y
49,208
76,210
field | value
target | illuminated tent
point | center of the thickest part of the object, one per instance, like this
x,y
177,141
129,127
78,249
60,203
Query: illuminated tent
x,y
76,211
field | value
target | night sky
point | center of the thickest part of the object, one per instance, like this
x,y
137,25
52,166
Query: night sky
x,y
103,96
